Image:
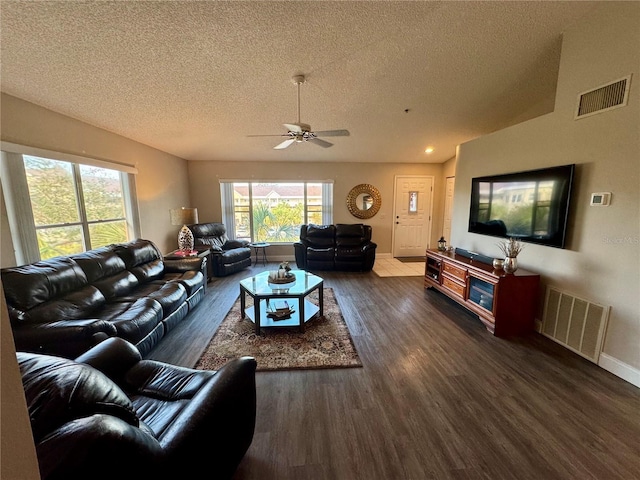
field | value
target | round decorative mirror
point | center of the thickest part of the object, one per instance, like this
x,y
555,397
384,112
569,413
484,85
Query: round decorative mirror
x,y
364,201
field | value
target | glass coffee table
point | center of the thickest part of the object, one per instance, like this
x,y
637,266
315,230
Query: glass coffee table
x,y
265,294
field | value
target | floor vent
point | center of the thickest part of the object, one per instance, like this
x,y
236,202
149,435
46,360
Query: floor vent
x,y
576,323
604,98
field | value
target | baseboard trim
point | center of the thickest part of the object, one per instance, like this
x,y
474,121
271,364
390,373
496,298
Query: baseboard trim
x,y
620,369
609,363
384,255
277,258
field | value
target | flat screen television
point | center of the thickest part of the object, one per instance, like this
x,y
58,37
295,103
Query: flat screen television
x,y
531,206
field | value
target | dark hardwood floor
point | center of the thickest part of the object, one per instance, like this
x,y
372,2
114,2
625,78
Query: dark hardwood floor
x,y
438,396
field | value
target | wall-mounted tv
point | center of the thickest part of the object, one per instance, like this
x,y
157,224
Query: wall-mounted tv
x,y
531,206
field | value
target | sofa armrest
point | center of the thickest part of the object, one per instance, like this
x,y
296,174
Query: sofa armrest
x,y
181,265
300,251
65,338
113,357
231,244
99,447
369,246
226,405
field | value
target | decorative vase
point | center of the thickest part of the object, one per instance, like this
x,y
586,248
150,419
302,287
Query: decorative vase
x,y
185,239
498,263
510,264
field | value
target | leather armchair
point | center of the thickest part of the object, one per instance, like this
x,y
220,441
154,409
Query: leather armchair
x,y
109,414
354,248
316,249
335,247
226,256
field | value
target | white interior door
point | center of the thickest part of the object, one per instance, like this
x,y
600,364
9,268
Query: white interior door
x,y
448,209
412,215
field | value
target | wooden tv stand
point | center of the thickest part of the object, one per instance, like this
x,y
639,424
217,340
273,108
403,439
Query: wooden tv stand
x,y
506,303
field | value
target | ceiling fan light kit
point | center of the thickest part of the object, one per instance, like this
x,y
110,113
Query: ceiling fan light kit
x,y
301,132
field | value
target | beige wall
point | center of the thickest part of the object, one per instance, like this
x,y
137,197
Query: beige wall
x,y
449,168
602,260
162,181
204,178
17,452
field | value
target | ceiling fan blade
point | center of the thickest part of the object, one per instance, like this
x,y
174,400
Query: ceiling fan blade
x,y
332,133
280,135
322,143
297,127
284,144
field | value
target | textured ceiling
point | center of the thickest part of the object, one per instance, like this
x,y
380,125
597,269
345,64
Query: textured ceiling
x,y
196,78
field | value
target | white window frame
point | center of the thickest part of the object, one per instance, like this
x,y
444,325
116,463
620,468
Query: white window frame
x,y
227,201
18,202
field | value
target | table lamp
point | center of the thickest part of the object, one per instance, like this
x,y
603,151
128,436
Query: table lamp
x,y
184,216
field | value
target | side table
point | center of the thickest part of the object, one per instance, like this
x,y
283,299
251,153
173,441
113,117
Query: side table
x,y
177,254
257,247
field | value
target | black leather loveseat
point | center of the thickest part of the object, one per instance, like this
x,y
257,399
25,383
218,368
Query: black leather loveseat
x,y
226,256
66,305
111,415
335,247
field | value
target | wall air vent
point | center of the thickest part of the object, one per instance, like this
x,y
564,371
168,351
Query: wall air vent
x,y
604,98
576,323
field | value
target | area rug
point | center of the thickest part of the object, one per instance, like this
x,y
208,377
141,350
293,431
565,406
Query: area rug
x,y
325,343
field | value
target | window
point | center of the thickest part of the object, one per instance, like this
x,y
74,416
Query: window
x,y
60,207
413,202
75,207
273,211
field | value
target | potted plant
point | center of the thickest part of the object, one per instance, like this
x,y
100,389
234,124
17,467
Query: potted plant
x,y
511,248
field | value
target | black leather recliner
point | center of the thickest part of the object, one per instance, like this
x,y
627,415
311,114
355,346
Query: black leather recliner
x,y
226,256
316,249
342,246
111,415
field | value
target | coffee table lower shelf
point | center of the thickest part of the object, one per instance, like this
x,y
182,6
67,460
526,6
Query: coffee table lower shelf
x,y
310,311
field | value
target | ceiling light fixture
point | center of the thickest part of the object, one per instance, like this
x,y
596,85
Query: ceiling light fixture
x,y
428,150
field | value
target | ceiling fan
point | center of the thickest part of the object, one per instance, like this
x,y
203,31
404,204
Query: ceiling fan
x,y
301,132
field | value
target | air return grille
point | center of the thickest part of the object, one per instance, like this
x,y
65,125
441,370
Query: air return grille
x,y
604,98
576,323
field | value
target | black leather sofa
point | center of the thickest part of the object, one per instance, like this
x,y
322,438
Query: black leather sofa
x,y
226,256
111,415
65,305
346,247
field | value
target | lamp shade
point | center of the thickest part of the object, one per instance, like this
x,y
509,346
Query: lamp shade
x,y
184,216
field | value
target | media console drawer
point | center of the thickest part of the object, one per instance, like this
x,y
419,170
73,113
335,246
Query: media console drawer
x,y
459,273
506,303
453,286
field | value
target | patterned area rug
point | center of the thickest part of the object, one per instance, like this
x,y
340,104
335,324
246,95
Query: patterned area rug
x,y
325,343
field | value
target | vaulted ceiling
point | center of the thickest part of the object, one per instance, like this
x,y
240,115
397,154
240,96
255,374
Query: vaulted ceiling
x,y
195,79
